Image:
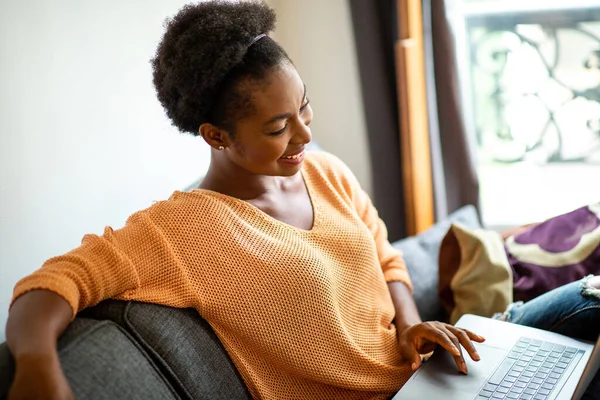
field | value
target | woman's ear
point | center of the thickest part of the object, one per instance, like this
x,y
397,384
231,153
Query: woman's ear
x,y
216,138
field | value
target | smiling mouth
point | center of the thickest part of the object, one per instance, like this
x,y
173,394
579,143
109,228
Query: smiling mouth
x,y
293,157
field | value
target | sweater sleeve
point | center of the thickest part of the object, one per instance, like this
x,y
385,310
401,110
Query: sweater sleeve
x,y
104,266
391,259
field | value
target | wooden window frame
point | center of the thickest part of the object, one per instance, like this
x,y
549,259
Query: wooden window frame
x,y
414,128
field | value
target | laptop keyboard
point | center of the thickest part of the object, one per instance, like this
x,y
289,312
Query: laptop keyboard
x,y
530,371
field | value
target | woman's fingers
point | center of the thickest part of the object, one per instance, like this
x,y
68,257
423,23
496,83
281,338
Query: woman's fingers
x,y
441,336
411,355
447,336
473,336
459,359
416,362
466,342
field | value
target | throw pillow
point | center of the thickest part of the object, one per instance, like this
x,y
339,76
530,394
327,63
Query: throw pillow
x,y
558,251
474,273
421,256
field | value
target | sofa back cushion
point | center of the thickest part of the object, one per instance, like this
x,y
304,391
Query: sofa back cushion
x,y
182,344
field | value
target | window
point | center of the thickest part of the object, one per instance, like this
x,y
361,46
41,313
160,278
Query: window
x,y
531,85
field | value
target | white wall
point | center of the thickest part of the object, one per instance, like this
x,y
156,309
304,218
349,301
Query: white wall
x,y
317,35
83,140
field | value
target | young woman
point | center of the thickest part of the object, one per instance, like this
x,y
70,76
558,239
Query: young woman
x,y
279,250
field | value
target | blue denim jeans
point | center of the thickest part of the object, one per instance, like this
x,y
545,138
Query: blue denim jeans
x,y
572,310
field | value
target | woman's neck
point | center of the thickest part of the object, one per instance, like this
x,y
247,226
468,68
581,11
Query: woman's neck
x,y
237,182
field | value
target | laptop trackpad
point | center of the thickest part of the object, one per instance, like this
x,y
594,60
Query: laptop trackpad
x,y
441,370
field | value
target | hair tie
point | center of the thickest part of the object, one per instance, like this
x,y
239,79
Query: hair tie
x,y
256,39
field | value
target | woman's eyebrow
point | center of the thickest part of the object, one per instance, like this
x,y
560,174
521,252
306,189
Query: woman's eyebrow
x,y
286,115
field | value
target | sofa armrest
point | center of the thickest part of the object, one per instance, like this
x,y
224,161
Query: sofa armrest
x,y
101,361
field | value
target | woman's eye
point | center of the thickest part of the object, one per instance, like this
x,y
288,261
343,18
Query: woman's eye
x,y
279,132
305,105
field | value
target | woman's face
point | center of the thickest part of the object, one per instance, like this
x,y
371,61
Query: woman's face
x,y
271,140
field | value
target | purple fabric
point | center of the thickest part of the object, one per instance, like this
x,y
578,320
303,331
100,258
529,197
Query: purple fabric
x,y
555,236
561,233
532,280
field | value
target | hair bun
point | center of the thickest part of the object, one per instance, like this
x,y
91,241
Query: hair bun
x,y
201,44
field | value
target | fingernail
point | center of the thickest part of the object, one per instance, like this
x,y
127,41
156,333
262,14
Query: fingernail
x,y
414,366
476,355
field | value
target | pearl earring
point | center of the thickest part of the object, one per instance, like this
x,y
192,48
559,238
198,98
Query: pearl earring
x,y
221,148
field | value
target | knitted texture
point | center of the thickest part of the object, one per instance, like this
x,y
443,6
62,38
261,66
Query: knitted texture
x,y
302,313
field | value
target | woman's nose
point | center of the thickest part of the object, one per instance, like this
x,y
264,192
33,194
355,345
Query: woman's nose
x,y
304,133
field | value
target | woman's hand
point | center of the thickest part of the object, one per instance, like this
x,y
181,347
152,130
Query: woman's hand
x,y
39,377
424,337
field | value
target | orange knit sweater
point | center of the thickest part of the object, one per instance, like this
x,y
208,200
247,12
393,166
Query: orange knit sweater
x,y
303,314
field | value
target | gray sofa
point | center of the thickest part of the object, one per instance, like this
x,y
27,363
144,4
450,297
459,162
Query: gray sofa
x,y
129,350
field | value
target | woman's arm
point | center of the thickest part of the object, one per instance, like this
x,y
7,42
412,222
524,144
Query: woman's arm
x,y
35,322
407,314
46,301
414,336
106,266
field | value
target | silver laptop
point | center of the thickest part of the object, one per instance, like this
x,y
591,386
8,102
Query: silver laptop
x,y
517,362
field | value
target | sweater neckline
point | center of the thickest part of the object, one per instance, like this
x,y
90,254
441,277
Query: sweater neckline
x,y
255,210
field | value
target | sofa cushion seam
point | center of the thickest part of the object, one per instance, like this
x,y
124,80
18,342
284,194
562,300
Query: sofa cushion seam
x,y
152,351
105,324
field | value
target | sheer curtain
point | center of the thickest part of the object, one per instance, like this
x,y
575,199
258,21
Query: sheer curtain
x,y
454,156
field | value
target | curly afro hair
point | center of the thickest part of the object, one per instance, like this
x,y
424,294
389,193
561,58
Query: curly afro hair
x,y
205,55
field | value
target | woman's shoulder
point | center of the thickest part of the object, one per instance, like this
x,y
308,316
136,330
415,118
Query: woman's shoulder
x,y
325,162
198,205
329,167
